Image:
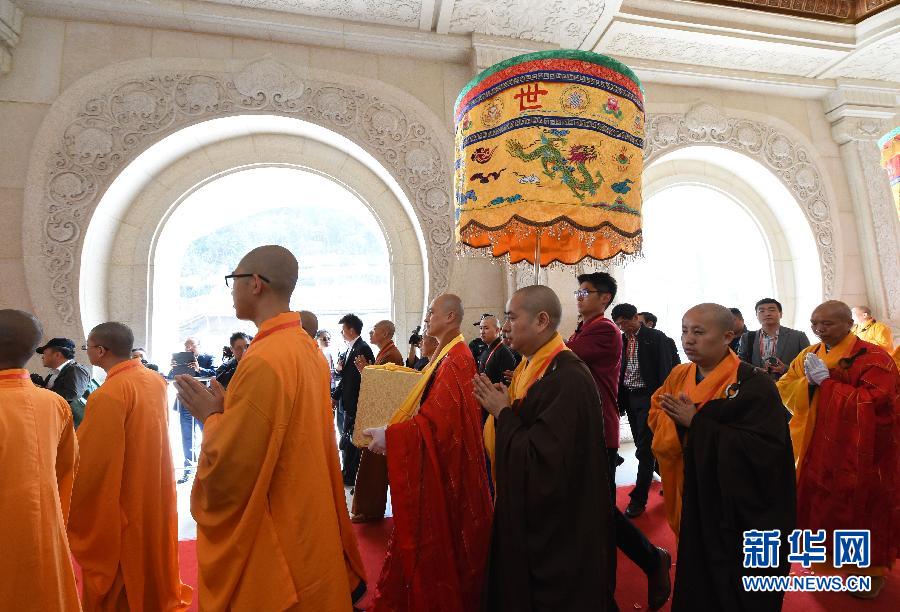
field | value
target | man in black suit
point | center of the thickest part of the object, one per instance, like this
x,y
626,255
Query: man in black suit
x,y
239,343
646,362
497,358
67,377
202,366
346,392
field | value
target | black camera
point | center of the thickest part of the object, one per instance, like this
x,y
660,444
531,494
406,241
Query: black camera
x,y
416,337
227,353
771,361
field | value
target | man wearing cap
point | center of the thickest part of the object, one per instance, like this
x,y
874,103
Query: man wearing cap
x,y
67,377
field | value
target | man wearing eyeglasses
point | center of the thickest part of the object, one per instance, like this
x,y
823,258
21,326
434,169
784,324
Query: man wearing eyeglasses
x,y
273,531
67,377
598,342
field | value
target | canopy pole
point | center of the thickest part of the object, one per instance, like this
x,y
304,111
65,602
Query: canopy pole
x,y
537,259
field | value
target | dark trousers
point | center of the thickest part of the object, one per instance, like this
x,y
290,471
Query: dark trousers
x,y
629,539
638,408
188,426
349,452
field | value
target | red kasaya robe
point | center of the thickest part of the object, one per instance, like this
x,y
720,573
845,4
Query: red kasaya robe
x,y
442,505
849,476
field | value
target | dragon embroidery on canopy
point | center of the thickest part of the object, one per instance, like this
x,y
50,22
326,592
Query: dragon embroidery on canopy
x,y
572,169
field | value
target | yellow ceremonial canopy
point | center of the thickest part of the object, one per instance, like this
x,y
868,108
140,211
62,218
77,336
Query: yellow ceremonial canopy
x,y
549,159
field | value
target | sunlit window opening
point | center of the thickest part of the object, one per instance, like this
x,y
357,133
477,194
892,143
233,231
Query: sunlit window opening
x,y
344,262
700,245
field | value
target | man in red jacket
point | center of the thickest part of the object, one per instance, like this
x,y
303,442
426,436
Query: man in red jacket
x,y
598,342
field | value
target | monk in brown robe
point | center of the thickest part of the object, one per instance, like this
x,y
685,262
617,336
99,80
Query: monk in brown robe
x,y
720,434
38,455
273,532
370,493
553,545
124,523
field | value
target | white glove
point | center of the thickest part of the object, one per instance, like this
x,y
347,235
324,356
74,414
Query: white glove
x,y
815,369
378,445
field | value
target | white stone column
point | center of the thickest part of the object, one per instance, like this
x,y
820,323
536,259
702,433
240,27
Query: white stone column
x,y
859,117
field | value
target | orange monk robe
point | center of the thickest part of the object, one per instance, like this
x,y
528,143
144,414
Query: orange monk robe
x,y
38,455
273,532
877,333
667,440
124,523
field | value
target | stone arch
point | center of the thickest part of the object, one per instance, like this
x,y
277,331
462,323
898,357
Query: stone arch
x,y
778,150
126,227
790,244
104,121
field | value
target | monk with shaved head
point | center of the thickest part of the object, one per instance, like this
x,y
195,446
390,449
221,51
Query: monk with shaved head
x,y
124,522
439,489
720,434
309,322
553,544
273,531
38,455
843,393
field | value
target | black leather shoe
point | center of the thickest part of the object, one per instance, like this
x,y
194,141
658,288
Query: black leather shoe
x,y
634,509
659,584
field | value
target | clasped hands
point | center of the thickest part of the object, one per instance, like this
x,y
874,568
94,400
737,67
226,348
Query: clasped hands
x,y
815,369
493,397
200,400
679,408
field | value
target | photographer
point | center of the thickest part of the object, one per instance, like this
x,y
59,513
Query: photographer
x,y
140,353
231,355
201,366
426,345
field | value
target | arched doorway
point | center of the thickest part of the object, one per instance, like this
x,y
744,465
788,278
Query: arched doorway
x,y
720,227
343,255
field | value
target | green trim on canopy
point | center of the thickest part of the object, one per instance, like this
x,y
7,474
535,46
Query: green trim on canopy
x,y
884,139
573,54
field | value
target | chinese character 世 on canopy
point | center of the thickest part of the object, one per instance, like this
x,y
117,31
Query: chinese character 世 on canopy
x,y
549,150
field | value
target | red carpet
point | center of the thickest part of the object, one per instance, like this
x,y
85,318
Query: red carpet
x,y
631,589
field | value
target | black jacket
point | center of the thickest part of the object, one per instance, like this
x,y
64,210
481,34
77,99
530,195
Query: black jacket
x,y
348,379
495,359
654,360
72,381
226,371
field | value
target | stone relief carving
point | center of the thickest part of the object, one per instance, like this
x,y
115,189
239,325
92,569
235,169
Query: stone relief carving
x,y
563,22
704,52
880,61
884,223
115,126
392,12
706,124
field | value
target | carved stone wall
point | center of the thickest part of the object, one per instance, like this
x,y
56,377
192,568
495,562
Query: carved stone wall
x,y
104,122
874,206
774,149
